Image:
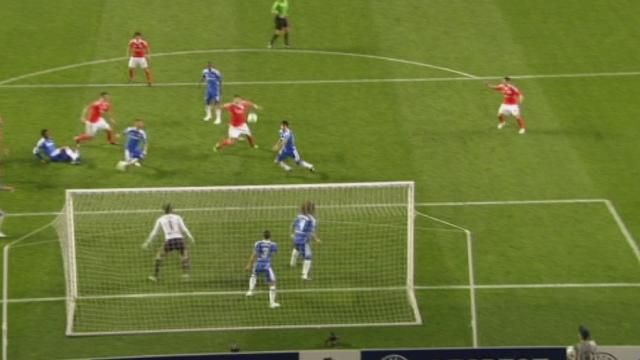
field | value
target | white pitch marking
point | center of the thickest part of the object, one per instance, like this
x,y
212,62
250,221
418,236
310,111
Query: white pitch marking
x,y
213,51
623,228
531,286
322,82
425,204
472,276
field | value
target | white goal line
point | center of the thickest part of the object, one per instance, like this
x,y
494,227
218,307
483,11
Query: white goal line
x,y
417,287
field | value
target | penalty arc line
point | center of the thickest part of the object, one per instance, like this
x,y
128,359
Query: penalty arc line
x,y
213,51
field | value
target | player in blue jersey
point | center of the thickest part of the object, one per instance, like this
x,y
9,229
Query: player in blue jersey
x,y
260,263
212,97
46,151
286,148
303,231
135,148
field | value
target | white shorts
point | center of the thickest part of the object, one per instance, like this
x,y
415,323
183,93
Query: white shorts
x,y
93,128
237,131
140,62
506,109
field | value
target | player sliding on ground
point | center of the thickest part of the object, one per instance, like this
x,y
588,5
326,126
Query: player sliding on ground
x,y
93,118
174,231
46,151
139,52
303,231
213,79
238,124
260,263
136,146
511,104
286,148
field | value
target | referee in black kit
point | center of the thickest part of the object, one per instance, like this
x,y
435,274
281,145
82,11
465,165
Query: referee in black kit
x,y
280,11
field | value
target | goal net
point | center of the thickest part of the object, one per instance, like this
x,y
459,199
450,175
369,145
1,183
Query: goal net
x,y
362,270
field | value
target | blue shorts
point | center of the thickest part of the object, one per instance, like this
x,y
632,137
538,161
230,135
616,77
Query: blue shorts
x,y
62,156
212,95
304,249
133,154
259,269
285,154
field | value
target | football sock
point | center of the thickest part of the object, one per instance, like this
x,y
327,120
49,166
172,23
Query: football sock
x,y
252,282
157,269
306,266
186,265
218,114
272,294
110,136
285,167
305,164
521,122
82,137
273,39
294,257
207,109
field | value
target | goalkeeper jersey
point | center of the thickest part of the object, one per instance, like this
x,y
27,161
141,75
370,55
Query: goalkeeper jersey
x,y
172,226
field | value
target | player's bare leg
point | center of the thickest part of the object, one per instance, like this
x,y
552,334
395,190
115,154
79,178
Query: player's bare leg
x,y
82,138
252,142
521,123
286,38
111,137
149,76
501,121
273,38
132,74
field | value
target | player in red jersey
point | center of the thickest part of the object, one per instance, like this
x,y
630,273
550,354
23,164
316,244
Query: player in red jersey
x,y
139,53
93,118
238,122
511,103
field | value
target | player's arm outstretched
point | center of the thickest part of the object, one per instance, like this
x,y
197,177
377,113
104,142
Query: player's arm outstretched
x,y
186,231
152,235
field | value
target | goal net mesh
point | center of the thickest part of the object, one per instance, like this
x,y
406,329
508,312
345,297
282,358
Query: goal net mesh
x,y
362,271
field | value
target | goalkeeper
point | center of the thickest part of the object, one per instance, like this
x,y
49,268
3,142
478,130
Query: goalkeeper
x,y
303,230
174,231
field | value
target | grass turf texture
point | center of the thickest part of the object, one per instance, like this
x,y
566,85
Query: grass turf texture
x,y
582,143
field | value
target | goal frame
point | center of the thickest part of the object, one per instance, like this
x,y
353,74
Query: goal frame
x,y
71,273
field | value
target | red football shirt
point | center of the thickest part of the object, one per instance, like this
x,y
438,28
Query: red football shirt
x,y
238,113
138,47
96,110
511,94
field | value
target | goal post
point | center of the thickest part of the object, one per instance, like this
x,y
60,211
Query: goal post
x,y
362,270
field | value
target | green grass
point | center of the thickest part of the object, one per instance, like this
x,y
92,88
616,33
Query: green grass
x,y
581,144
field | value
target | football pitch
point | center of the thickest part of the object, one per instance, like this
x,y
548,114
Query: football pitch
x,y
520,238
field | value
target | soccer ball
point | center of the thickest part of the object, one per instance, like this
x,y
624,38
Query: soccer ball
x,y
252,117
121,165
